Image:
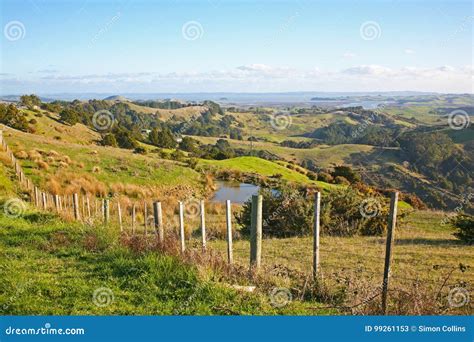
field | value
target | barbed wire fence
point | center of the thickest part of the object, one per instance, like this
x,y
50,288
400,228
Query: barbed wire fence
x,y
146,217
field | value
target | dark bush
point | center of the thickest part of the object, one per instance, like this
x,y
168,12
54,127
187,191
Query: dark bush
x,y
465,228
289,212
341,180
286,212
325,177
347,212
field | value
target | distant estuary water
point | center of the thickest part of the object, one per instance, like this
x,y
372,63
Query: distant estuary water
x,y
234,191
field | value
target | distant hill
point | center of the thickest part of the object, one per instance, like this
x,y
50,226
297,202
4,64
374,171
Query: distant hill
x,y
118,98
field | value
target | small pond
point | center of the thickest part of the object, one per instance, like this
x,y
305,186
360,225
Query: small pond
x,y
234,191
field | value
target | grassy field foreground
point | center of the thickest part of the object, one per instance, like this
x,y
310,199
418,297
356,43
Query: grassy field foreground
x,y
51,267
54,268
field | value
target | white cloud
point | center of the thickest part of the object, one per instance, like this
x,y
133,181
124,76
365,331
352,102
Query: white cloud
x,y
255,77
349,55
409,51
375,70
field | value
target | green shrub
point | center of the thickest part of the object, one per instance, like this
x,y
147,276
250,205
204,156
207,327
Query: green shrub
x,y
325,177
286,212
465,228
289,212
341,180
348,212
312,175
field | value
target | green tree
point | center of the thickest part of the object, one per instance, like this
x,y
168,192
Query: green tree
x,y
69,115
30,101
109,140
11,116
163,138
189,144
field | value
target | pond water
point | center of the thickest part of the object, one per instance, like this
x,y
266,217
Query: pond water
x,y
235,192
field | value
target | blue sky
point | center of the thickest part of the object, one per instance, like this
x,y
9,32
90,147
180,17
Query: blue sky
x,y
217,45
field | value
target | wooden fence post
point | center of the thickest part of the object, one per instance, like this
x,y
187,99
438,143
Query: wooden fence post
x,y
158,217
119,213
35,195
256,232
145,213
392,221
230,256
44,200
106,211
317,212
56,202
181,226
88,206
75,205
203,226
134,215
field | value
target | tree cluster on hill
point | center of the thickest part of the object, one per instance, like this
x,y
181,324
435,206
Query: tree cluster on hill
x,y
210,125
364,133
11,116
299,144
165,104
435,155
30,101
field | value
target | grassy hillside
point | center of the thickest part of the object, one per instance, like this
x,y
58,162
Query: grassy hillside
x,y
47,125
165,114
324,156
263,167
46,160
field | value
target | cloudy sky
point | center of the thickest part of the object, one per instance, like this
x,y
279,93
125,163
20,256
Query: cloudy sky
x,y
235,46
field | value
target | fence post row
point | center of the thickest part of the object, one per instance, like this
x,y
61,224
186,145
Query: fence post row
x,y
41,200
256,232
392,221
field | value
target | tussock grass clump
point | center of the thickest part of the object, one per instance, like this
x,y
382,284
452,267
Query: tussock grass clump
x,y
42,165
21,155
